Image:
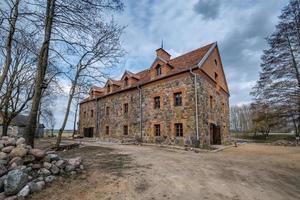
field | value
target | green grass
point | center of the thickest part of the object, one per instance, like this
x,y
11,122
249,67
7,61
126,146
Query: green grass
x,y
259,138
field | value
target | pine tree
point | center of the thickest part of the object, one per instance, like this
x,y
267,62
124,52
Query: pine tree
x,y
278,86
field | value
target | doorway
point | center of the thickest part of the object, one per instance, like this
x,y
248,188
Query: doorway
x,y
88,132
215,134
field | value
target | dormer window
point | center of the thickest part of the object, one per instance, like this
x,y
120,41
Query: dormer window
x,y
108,89
126,82
158,70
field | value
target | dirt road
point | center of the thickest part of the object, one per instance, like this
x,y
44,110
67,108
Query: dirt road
x,y
115,172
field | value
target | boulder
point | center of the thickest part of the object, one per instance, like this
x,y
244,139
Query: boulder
x,y
60,164
2,195
18,152
28,159
8,149
36,166
5,138
3,156
2,183
10,142
75,161
51,157
19,141
69,168
54,170
47,165
3,169
37,153
49,179
15,197
14,182
1,146
44,172
24,192
36,187
17,160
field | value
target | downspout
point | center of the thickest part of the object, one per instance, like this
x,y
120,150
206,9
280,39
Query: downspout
x,y
97,118
141,112
196,104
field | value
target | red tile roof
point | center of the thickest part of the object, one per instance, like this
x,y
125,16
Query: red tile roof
x,y
180,63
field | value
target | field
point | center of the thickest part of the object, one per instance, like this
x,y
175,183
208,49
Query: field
x,y
250,171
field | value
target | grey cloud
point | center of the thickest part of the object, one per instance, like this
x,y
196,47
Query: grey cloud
x,y
209,9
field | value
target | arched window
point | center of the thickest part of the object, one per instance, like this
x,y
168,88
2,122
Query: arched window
x,y
158,70
126,81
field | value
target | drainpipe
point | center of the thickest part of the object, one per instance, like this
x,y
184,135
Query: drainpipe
x,y
196,104
141,112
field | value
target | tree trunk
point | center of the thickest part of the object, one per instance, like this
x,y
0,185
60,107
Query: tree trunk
x,y
75,119
40,75
61,130
9,42
4,129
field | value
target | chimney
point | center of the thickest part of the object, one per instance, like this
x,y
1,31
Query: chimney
x,y
161,53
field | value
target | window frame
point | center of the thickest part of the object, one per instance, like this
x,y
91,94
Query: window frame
x,y
125,130
158,70
126,81
156,103
157,130
177,99
107,111
178,129
92,113
126,108
106,130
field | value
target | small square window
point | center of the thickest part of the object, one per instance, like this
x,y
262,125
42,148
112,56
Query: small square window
x,y
178,99
107,130
107,111
178,130
125,130
157,129
125,108
156,102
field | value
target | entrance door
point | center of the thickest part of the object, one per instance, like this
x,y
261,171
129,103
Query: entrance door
x,y
215,134
88,132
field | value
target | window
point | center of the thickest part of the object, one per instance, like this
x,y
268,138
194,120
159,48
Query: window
x,y
107,130
158,70
92,113
216,76
178,99
84,113
178,130
125,130
211,101
156,102
107,111
216,62
108,89
126,82
157,129
125,108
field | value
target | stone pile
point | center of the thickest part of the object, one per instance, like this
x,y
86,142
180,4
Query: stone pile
x,y
24,170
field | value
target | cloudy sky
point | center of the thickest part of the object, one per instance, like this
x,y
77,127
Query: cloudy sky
x,y
239,27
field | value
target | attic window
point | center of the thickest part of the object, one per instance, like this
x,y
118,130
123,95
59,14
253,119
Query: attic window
x,y
216,62
216,76
108,89
158,69
126,82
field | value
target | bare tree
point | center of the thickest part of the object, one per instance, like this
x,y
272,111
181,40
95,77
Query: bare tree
x,y
102,50
66,23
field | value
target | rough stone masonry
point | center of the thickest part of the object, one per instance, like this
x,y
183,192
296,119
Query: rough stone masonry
x,y
183,100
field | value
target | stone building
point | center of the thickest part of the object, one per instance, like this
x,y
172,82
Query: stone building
x,y
159,104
